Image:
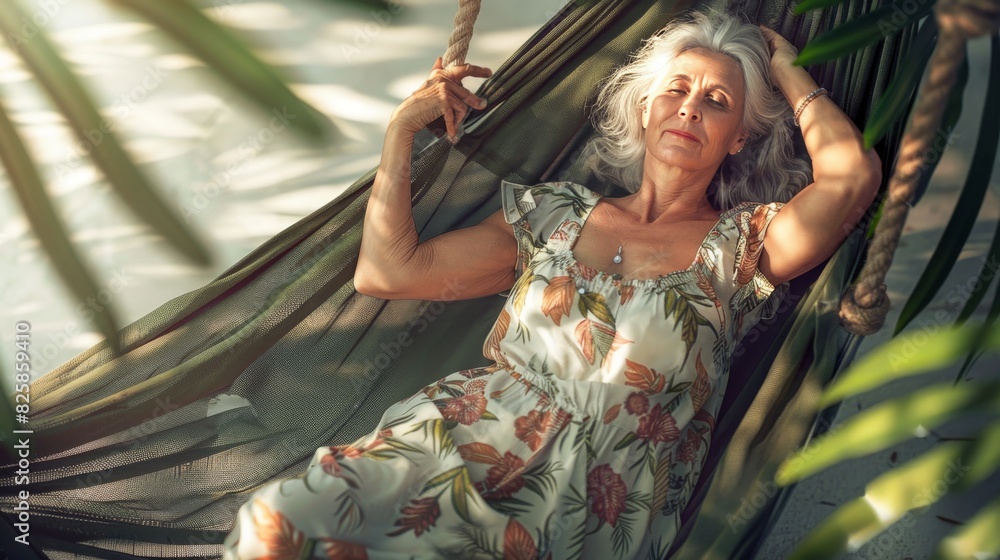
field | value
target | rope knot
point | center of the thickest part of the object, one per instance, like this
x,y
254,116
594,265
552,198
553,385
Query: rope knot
x,y
863,312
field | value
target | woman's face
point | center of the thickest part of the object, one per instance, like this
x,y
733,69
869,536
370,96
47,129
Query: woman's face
x,y
700,93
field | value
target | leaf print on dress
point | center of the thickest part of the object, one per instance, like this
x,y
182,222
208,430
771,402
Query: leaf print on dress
x,y
343,550
557,298
677,306
701,388
282,540
594,338
518,543
751,224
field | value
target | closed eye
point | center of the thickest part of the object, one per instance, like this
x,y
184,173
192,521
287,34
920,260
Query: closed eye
x,y
712,99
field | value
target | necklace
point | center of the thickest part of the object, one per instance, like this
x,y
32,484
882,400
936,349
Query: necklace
x,y
617,259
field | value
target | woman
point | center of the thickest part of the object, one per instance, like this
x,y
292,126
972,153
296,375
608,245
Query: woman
x,y
588,433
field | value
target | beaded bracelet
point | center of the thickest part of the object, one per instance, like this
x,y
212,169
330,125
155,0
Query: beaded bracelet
x,y
816,93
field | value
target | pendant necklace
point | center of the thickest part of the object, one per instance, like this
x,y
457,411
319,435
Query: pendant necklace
x,y
617,259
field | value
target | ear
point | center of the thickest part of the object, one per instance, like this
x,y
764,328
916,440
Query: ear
x,y
645,114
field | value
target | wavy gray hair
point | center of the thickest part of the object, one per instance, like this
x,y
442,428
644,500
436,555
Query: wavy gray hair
x,y
767,168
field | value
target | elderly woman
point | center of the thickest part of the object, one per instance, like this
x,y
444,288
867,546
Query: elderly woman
x,y
588,433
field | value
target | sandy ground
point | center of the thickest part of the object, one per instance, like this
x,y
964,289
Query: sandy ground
x,y
186,127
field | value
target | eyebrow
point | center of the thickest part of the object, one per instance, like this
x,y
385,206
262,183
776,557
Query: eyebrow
x,y
720,87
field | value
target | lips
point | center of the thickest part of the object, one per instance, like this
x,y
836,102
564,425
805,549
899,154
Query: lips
x,y
683,134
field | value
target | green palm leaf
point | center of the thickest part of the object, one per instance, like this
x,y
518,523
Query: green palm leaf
x,y
231,58
47,224
977,184
907,355
810,5
979,537
886,424
895,102
858,33
887,499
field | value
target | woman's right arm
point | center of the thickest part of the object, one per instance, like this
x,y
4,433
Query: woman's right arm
x,y
462,264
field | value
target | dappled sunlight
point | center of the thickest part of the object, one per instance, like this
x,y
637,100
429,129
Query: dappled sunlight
x,y
269,169
357,43
255,16
344,103
501,42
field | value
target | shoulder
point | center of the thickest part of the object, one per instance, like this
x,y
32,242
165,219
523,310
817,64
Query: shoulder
x,y
520,200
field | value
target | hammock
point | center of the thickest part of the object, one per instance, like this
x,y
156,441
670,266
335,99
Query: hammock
x,y
221,390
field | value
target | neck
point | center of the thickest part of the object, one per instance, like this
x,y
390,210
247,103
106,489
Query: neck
x,y
670,194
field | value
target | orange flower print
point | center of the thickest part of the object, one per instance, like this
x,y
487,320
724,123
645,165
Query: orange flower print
x,y
466,409
636,403
536,427
688,450
503,480
657,425
418,517
518,543
557,298
607,490
281,539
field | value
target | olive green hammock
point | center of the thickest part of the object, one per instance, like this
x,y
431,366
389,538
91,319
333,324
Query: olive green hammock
x,y
139,456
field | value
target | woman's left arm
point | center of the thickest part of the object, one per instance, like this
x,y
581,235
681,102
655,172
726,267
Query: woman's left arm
x,y
811,226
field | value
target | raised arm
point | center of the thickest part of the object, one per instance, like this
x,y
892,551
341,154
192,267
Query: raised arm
x,y
817,220
462,264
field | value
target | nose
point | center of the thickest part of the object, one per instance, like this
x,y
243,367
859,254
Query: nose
x,y
688,109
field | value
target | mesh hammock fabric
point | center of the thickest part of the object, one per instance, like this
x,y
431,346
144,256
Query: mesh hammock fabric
x,y
132,457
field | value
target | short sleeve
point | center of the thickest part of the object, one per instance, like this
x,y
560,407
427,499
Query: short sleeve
x,y
753,296
535,211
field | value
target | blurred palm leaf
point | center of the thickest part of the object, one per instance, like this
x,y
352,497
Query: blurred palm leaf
x,y
219,48
895,493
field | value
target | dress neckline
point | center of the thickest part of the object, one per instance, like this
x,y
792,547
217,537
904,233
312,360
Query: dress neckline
x,y
616,277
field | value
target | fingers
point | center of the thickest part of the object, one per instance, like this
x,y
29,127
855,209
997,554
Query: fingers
x,y
464,95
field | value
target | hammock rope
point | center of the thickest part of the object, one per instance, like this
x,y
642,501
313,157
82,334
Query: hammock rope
x,y
865,305
461,35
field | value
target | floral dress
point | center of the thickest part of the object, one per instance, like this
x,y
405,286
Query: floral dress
x,y
584,438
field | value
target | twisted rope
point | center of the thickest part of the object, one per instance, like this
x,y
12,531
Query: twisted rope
x,y
865,305
461,35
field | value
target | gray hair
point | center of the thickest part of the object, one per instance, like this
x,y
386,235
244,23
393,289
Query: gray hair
x,y
767,168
